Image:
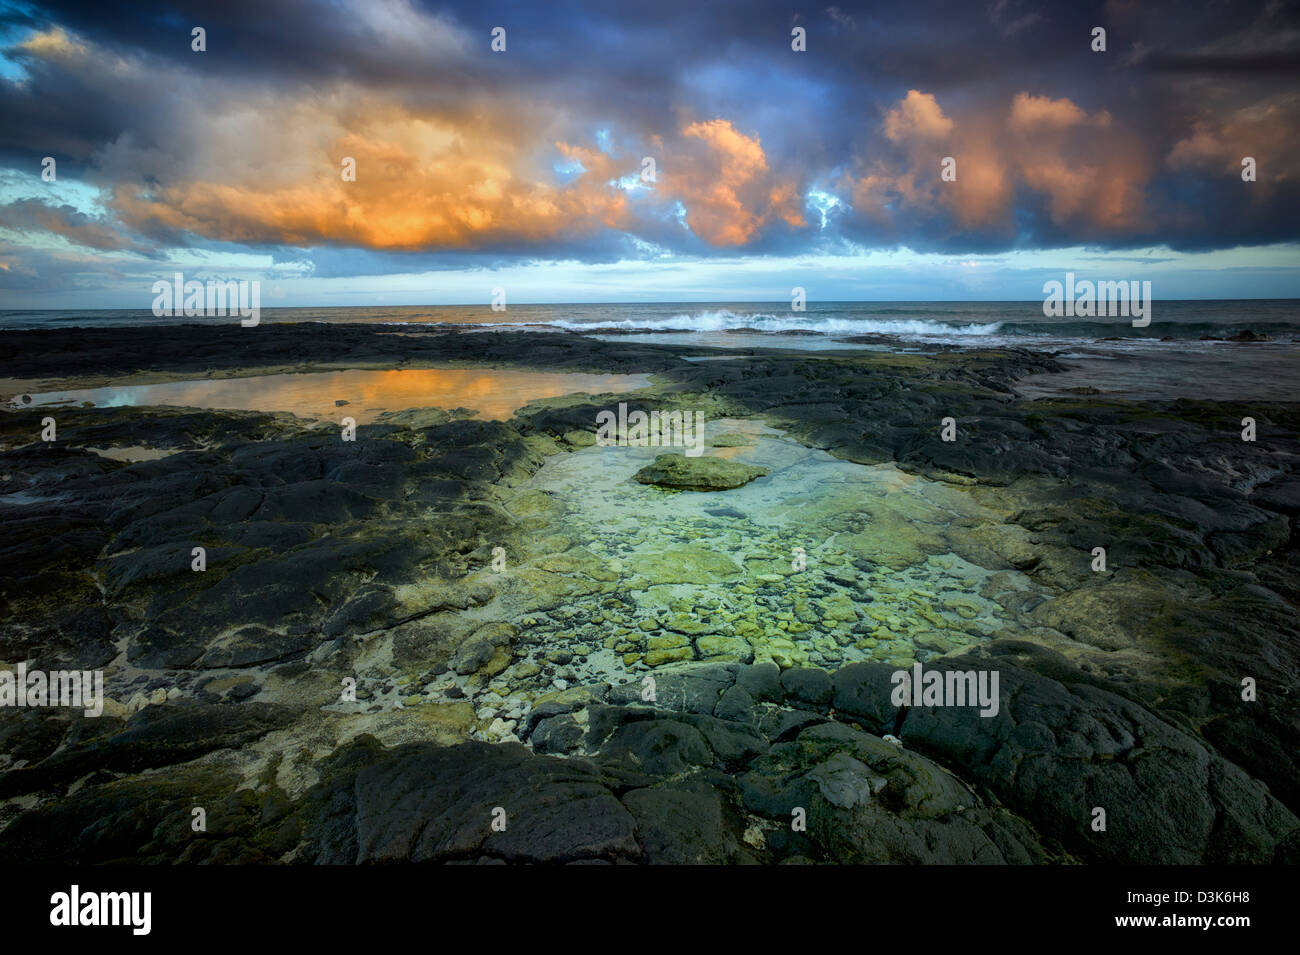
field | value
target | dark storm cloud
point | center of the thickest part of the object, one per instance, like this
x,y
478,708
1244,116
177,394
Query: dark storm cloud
x,y
1267,64
1182,93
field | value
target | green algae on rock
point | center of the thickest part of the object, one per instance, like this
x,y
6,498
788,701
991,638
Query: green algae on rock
x,y
697,474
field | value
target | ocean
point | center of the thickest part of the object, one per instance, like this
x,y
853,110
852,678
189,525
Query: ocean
x,y
942,321
1187,350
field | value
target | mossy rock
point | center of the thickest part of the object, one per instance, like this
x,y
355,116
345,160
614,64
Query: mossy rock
x,y
679,472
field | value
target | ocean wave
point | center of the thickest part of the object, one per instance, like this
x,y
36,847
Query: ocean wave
x,y
725,320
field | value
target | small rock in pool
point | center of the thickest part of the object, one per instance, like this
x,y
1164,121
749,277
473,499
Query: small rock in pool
x,y
723,512
697,474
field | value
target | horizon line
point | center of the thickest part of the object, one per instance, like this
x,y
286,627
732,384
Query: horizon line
x,y
881,301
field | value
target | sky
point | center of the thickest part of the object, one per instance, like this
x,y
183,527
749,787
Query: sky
x,y
666,151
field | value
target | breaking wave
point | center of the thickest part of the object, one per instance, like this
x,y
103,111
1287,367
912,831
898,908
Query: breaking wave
x,y
725,320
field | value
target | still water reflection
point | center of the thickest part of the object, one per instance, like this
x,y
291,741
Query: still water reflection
x,y
493,392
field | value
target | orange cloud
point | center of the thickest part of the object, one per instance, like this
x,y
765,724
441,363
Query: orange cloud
x,y
1264,130
917,116
981,194
423,181
432,173
1036,112
54,44
428,181
1091,172
726,186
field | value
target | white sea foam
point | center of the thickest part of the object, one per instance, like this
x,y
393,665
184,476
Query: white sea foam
x,y
725,320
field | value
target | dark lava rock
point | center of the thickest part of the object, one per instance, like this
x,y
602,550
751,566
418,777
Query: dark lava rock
x,y
660,747
421,803
1053,753
687,826
736,705
807,685
556,734
762,681
158,735
147,820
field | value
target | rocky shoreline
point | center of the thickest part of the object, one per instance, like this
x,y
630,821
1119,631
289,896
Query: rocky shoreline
x,y
504,594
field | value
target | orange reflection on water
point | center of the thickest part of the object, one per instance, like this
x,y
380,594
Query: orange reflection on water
x,y
494,393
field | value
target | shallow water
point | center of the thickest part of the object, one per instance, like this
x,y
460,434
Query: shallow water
x,y
494,393
1219,371
822,562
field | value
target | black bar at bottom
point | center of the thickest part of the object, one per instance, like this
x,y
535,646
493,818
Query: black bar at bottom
x,y
339,905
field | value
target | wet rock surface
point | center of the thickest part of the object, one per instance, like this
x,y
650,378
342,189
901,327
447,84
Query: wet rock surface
x,y
637,685
697,474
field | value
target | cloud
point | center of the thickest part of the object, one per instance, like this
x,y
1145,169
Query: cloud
x,y
917,117
1035,113
457,147
31,216
1219,140
907,183
423,182
53,45
1092,172
426,182
1084,170
264,168
726,187
1008,18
